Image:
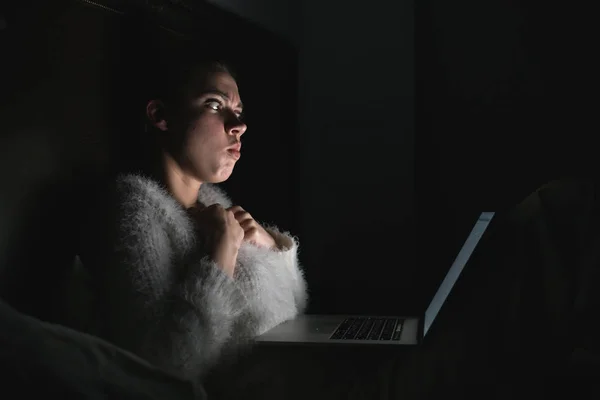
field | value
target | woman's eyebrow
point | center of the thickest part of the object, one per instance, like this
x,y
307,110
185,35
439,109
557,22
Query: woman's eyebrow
x,y
220,93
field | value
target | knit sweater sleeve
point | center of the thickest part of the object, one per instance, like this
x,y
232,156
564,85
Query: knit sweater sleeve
x,y
272,282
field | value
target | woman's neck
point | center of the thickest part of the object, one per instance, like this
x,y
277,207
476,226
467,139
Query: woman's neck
x,y
182,186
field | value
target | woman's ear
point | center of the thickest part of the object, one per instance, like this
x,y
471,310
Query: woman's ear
x,y
156,114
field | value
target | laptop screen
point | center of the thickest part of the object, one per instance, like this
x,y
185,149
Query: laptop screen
x,y
455,270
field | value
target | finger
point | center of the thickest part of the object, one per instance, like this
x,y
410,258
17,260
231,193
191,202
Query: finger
x,y
250,234
248,224
239,212
242,216
235,209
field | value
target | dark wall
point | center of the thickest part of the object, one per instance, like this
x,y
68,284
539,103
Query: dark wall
x,y
54,132
279,17
503,99
357,151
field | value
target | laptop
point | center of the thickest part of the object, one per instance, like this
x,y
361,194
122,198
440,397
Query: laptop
x,y
372,329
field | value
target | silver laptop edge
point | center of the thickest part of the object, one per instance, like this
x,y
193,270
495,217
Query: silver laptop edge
x,y
317,329
455,270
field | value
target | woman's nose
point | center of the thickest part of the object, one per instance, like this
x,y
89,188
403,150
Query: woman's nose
x,y
235,126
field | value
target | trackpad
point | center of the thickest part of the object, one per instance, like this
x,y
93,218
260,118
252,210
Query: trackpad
x,y
321,327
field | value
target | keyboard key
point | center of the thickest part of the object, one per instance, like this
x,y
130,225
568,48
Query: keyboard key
x,y
342,329
388,330
377,328
354,328
360,328
363,334
398,330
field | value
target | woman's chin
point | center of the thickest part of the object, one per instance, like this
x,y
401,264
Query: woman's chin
x,y
219,178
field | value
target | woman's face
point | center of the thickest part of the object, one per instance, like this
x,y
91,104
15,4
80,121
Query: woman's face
x,y
208,128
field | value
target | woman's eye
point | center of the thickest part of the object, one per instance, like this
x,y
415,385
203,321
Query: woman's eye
x,y
213,105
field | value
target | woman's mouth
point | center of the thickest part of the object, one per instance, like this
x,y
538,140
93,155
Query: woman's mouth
x,y
236,154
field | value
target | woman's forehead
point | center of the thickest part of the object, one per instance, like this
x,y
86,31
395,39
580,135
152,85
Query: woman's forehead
x,y
216,81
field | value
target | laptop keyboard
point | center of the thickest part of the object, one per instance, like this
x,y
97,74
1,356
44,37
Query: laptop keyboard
x,y
367,328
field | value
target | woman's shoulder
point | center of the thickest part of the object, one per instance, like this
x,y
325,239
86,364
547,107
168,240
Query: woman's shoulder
x,y
126,196
140,194
137,188
143,205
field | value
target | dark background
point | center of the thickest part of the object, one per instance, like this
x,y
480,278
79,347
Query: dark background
x,y
496,91
504,106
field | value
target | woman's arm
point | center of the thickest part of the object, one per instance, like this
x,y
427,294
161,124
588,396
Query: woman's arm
x,y
272,282
163,298
287,248
186,330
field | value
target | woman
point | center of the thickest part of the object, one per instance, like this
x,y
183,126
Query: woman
x,y
182,274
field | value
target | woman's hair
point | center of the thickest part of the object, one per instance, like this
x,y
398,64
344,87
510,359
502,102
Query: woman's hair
x,y
172,74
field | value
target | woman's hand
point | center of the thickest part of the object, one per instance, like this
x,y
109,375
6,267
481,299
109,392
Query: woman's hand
x,y
253,232
220,233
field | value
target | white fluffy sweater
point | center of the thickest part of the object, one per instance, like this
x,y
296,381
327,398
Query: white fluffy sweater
x,y
162,298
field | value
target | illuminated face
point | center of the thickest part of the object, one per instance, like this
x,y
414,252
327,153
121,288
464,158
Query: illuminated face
x,y
208,128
